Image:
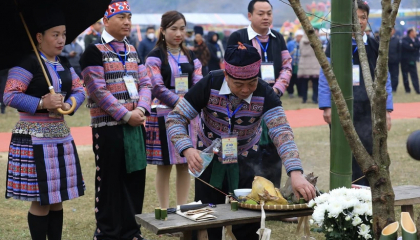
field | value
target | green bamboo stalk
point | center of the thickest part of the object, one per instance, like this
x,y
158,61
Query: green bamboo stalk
x,y
409,230
390,232
341,60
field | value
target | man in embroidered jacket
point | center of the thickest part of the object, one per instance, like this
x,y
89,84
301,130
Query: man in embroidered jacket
x,y
117,118
218,95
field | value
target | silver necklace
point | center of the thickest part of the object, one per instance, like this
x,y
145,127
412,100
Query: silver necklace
x,y
122,55
51,62
173,50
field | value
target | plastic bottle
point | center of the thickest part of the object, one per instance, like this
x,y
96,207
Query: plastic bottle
x,y
207,155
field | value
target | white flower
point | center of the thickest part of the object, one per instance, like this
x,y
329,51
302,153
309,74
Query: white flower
x,y
322,199
348,218
311,203
319,213
349,201
356,221
364,230
369,209
367,236
311,221
330,230
360,209
335,208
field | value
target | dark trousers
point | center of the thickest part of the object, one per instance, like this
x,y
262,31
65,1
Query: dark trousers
x,y
118,195
304,82
363,124
394,70
293,82
208,195
410,68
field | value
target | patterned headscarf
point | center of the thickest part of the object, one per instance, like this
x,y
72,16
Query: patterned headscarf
x,y
117,7
242,61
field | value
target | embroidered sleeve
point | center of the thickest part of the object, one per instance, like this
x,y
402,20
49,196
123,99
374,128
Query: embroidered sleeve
x,y
177,125
282,136
159,90
14,91
145,92
282,82
77,90
197,74
94,78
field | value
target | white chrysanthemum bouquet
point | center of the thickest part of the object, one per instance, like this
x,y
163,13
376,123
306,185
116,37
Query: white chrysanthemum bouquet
x,y
344,214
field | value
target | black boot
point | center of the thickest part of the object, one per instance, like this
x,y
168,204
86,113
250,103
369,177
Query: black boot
x,y
38,226
55,225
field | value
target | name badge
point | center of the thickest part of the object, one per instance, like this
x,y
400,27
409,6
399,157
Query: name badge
x,y
130,84
267,72
230,148
219,54
181,84
356,75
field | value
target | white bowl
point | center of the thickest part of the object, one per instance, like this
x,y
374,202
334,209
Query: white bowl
x,y
242,192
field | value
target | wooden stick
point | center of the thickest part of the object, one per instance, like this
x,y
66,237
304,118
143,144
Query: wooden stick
x,y
360,178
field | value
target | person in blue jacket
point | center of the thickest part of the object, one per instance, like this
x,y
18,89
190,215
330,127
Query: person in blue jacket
x,y
361,107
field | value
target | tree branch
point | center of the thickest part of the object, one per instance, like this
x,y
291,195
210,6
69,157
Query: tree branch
x,y
362,156
380,132
364,63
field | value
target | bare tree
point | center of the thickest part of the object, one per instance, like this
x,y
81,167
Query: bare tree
x,y
375,166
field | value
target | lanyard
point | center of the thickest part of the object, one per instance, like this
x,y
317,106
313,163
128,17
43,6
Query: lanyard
x,y
352,59
233,114
177,61
264,49
56,73
121,59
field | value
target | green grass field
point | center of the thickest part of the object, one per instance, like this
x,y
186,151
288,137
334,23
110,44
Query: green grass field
x,y
313,143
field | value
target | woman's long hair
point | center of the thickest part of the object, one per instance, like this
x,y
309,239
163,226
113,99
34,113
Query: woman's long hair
x,y
169,19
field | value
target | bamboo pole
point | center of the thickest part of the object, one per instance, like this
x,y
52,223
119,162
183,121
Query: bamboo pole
x,y
341,61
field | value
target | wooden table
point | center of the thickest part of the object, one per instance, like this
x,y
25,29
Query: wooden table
x,y
225,217
406,196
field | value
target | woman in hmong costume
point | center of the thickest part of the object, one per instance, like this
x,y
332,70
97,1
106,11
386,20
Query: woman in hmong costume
x,y
43,166
171,67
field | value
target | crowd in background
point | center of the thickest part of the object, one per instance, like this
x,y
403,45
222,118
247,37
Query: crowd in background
x,y
404,52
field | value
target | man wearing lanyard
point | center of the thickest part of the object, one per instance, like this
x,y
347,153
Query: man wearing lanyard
x,y
361,105
233,103
119,98
276,68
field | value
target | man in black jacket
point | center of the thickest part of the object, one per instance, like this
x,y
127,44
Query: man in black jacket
x,y
394,59
276,70
410,55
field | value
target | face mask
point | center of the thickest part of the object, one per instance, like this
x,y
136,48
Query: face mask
x,y
151,36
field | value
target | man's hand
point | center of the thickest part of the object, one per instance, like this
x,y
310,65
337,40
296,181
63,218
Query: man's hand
x,y
195,163
327,115
137,118
301,187
388,121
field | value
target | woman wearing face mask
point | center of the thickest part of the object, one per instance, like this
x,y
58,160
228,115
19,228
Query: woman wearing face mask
x,y
173,69
43,165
